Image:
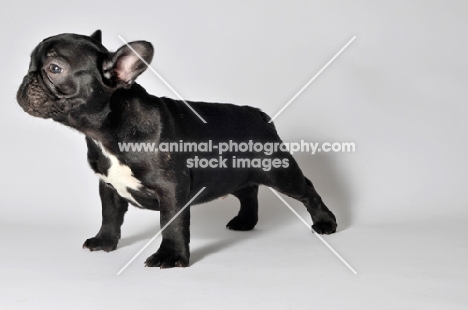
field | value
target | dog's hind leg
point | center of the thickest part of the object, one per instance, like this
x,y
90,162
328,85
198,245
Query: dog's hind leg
x,y
247,217
290,181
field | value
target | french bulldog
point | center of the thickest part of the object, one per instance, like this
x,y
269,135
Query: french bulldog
x,y
74,80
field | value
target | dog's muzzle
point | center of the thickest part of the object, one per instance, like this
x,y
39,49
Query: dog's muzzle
x,y
33,98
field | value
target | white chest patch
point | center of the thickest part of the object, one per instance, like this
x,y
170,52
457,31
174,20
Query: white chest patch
x,y
119,176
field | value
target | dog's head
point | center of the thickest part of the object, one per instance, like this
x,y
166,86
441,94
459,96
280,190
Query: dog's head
x,y
71,72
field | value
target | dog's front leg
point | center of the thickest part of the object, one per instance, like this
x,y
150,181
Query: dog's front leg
x,y
113,211
174,249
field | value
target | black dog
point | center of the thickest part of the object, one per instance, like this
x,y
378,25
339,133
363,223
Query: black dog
x,y
76,81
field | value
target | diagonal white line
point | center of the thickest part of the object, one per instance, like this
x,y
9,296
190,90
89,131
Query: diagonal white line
x,y
315,233
163,80
311,80
160,231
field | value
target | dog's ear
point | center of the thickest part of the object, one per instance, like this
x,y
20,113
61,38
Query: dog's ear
x,y
97,35
125,65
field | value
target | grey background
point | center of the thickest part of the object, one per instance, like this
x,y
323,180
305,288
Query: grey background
x,y
399,91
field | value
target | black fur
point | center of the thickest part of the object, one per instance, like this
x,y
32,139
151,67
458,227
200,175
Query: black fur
x,y
96,94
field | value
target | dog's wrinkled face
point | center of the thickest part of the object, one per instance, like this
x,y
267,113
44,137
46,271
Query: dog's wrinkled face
x,y
60,74
71,72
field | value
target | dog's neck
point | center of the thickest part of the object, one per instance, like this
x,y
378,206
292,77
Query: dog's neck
x,y
126,115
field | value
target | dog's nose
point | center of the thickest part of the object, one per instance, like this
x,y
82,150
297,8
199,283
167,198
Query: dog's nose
x,y
27,78
32,68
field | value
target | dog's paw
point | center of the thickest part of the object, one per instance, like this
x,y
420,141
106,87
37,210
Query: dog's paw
x,y
242,223
101,244
167,260
324,227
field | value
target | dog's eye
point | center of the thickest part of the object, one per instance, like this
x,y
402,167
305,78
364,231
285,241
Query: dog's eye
x,y
55,69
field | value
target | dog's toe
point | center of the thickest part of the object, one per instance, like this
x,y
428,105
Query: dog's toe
x,y
324,228
166,260
242,223
100,244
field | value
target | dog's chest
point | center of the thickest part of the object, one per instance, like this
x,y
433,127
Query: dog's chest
x,y
120,176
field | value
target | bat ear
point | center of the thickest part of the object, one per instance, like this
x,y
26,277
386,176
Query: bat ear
x,y
125,65
97,35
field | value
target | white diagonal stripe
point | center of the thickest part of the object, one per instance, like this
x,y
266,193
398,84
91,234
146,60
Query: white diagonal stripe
x,y
311,80
315,233
163,80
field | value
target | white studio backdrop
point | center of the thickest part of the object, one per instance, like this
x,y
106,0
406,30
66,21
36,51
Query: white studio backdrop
x,y
398,92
